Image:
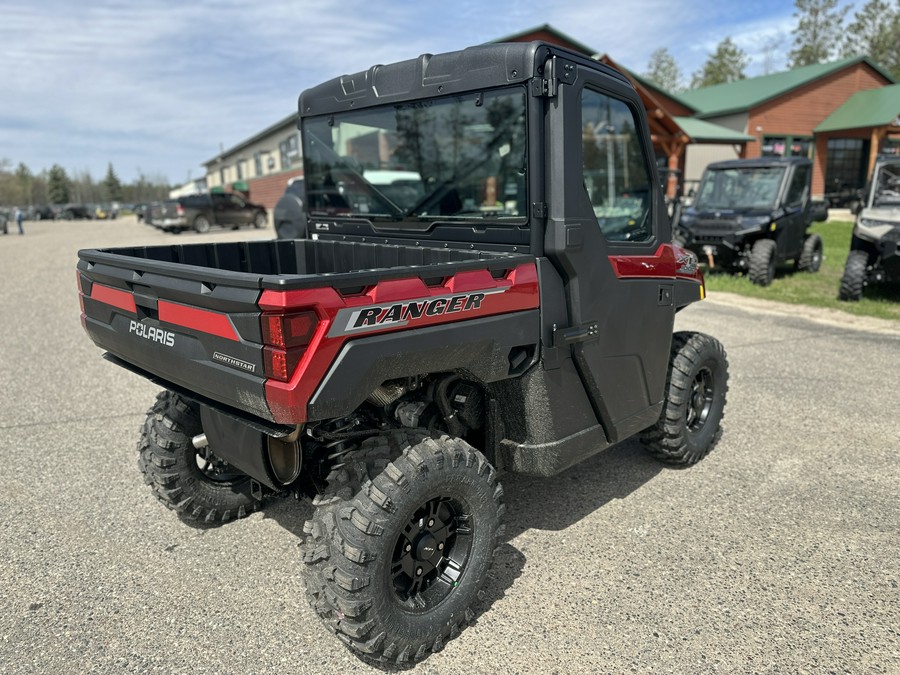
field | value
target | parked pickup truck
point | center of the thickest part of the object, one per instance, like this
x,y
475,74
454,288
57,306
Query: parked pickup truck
x,y
752,215
511,308
201,212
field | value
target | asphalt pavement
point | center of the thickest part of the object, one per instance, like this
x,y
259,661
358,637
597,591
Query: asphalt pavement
x,y
777,553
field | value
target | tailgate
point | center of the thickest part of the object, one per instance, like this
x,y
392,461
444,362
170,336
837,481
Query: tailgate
x,y
202,336
162,211
256,325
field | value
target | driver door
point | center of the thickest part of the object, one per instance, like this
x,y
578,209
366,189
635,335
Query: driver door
x,y
607,238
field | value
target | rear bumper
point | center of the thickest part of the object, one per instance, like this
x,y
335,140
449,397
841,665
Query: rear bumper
x,y
166,223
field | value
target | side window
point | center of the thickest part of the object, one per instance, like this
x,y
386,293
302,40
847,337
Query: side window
x,y
799,189
616,175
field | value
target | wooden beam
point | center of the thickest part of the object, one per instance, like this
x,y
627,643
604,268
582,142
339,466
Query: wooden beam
x,y
878,134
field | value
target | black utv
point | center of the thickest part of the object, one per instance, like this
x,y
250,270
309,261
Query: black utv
x,y
752,215
875,247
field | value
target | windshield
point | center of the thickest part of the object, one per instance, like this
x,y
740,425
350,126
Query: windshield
x,y
740,188
886,185
452,158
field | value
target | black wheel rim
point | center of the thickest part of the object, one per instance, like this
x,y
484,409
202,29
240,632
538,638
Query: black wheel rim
x,y
701,400
431,553
213,468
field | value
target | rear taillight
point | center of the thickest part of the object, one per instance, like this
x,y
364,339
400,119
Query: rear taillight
x,y
179,209
286,337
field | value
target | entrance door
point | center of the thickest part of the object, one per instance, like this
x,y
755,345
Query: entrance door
x,y
608,236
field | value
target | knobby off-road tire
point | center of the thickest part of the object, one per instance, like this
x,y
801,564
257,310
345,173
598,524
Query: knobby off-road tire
x,y
697,382
193,483
401,543
854,278
762,262
810,259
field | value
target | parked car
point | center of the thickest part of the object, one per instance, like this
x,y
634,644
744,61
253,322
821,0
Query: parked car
x,y
290,212
139,211
40,213
875,246
753,215
201,212
77,212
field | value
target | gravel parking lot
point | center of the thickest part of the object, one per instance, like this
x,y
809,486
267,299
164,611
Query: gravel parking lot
x,y
777,553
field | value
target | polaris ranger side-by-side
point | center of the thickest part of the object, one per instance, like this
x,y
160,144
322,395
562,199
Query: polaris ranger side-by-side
x,y
752,215
875,246
486,284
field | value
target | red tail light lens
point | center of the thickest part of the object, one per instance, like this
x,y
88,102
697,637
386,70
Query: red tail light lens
x,y
179,209
289,330
286,337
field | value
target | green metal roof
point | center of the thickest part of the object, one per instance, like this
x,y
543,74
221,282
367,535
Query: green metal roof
x,y
678,98
702,131
871,108
743,95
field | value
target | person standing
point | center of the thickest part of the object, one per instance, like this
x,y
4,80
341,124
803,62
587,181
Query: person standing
x,y
20,217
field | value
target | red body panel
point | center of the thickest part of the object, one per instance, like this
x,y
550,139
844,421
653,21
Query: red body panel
x,y
194,318
516,291
113,296
668,262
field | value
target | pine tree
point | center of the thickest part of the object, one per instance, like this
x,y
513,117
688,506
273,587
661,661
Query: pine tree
x,y
57,185
875,32
663,71
112,186
726,64
817,36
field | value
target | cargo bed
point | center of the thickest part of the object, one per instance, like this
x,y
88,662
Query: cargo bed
x,y
200,317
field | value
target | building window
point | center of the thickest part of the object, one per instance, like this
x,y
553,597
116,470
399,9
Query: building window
x,y
258,164
846,163
786,146
222,171
289,149
240,169
616,174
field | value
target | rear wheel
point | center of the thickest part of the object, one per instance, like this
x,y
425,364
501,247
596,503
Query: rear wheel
x,y
192,482
697,382
810,259
201,224
854,278
762,262
260,220
401,543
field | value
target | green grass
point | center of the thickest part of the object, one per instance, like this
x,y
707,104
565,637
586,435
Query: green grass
x,y
819,289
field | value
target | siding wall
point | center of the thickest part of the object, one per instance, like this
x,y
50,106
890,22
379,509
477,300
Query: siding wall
x,y
268,189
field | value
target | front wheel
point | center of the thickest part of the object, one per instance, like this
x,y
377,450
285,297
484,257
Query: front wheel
x,y
762,262
401,544
694,405
194,483
854,278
